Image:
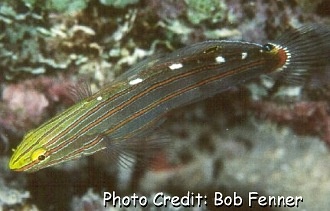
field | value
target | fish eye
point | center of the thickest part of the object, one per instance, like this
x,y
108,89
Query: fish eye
x,y
268,47
41,157
38,154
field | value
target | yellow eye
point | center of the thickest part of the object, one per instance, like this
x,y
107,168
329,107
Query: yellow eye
x,y
38,154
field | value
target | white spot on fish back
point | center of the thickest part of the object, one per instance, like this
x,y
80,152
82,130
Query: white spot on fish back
x,y
99,98
175,66
244,55
220,59
135,81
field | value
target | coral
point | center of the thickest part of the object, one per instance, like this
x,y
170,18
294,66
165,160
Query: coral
x,y
66,5
12,189
311,118
26,104
215,145
280,163
88,202
59,5
199,10
168,9
11,196
118,3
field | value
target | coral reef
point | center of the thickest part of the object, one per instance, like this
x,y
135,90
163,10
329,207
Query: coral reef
x,y
12,193
245,139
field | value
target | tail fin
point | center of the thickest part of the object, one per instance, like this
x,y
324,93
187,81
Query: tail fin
x,y
308,50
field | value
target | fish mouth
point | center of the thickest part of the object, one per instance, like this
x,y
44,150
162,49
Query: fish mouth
x,y
15,166
12,166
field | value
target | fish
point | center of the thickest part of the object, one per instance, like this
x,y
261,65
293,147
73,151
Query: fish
x,y
128,109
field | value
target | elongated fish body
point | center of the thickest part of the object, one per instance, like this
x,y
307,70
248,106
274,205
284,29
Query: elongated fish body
x,y
132,105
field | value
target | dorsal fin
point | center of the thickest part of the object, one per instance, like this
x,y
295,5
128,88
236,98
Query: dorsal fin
x,y
80,91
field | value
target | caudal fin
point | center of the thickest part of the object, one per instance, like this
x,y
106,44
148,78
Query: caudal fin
x,y
308,50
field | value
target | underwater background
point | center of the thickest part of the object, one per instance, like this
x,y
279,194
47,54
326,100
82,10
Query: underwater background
x,y
241,140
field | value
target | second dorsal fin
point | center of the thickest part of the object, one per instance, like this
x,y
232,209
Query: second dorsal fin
x,y
80,91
